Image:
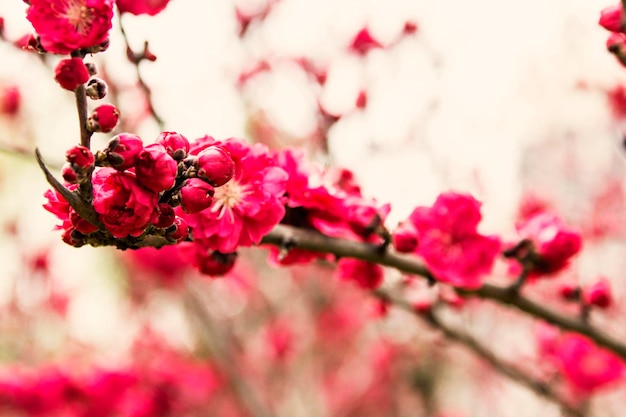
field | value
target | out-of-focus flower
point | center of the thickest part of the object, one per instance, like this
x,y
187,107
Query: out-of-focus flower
x,y
64,26
139,7
363,42
449,242
598,294
10,100
365,274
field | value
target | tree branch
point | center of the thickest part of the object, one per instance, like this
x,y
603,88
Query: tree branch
x,y
290,237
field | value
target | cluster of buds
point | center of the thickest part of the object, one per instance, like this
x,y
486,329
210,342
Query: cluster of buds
x,y
135,190
612,19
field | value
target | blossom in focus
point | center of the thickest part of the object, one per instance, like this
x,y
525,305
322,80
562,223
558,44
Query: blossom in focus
x,y
70,73
155,168
64,26
449,242
554,242
245,208
104,118
123,205
139,7
123,151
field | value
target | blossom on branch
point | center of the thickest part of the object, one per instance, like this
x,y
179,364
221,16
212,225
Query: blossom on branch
x,y
64,26
449,242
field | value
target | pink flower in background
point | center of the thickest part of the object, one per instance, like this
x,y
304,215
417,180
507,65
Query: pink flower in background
x,y
10,100
449,243
585,366
138,7
363,42
64,26
245,208
124,206
598,294
365,274
554,242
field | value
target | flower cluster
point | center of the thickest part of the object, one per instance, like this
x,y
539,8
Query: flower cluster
x,y
445,235
612,19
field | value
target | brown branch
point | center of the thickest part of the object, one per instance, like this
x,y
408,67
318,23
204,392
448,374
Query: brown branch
x,y
290,237
220,343
540,388
144,87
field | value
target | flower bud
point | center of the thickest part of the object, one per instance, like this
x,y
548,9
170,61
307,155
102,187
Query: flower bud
x,y
96,89
167,216
123,150
215,263
598,294
404,238
196,195
176,144
215,166
70,73
155,168
179,230
91,67
80,157
68,174
80,224
73,237
612,18
104,118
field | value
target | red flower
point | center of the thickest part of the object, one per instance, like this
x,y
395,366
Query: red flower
x,y
176,144
70,73
155,168
10,100
125,208
598,294
448,240
248,206
612,18
123,150
67,25
196,195
365,274
215,166
138,7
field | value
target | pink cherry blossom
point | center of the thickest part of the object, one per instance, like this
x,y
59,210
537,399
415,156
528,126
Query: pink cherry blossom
x,y
449,242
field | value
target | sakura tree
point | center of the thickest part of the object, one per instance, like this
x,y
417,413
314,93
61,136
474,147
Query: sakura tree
x,y
215,251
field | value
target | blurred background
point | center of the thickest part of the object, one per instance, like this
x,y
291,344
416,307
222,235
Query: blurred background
x,y
515,102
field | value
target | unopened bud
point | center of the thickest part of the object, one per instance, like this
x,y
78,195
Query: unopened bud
x,y
178,231
215,263
80,157
176,144
404,238
196,195
215,166
167,216
96,89
70,73
598,294
104,118
68,174
123,150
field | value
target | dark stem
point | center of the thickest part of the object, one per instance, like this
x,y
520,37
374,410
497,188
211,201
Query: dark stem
x,y
314,241
81,106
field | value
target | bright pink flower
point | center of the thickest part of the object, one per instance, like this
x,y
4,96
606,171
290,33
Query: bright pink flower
x,y
449,242
248,206
585,366
104,118
363,42
58,206
612,18
196,195
124,206
166,218
554,242
365,274
67,25
123,151
138,7
70,73
179,231
176,144
155,168
598,294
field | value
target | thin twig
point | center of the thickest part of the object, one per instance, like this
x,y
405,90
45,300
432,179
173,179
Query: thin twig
x,y
465,339
283,236
144,87
220,344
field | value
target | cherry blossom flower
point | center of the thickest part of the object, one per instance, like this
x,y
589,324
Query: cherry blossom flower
x,y
124,206
449,242
139,7
64,26
245,208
